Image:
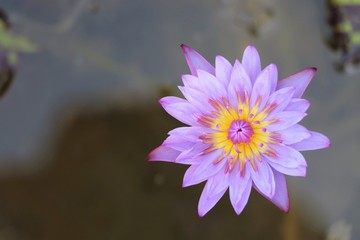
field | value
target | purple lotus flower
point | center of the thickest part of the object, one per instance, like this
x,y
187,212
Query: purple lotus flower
x,y
243,129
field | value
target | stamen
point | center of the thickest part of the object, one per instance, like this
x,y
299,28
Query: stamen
x,y
230,167
209,150
253,164
242,168
261,144
271,153
206,139
250,116
226,103
219,158
256,122
264,129
215,104
240,111
270,108
206,120
236,149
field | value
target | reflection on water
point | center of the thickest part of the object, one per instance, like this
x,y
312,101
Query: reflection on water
x,y
344,19
82,114
6,71
99,187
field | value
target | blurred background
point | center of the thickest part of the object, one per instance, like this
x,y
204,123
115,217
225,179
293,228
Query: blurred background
x,y
80,82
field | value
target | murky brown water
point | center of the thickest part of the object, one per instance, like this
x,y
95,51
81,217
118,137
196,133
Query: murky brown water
x,y
82,113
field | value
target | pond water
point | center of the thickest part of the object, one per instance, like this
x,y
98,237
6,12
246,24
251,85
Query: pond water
x,y
81,115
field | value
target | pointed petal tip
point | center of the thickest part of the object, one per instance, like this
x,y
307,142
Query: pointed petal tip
x,y
185,184
300,80
196,61
163,154
314,142
185,47
240,210
285,206
201,213
285,209
250,47
312,71
272,65
162,100
327,142
150,156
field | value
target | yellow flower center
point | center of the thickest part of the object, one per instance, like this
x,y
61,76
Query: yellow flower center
x,y
240,132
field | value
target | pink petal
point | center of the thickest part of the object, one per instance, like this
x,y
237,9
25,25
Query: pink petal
x,y
298,105
299,80
263,178
209,198
239,84
223,70
206,168
286,157
293,134
239,189
197,99
189,80
196,61
205,83
264,85
191,134
164,154
191,156
288,161
281,196
280,99
210,85
178,143
218,183
251,62
285,120
180,109
299,171
315,141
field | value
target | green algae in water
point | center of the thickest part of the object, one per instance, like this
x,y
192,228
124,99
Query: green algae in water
x,y
13,44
